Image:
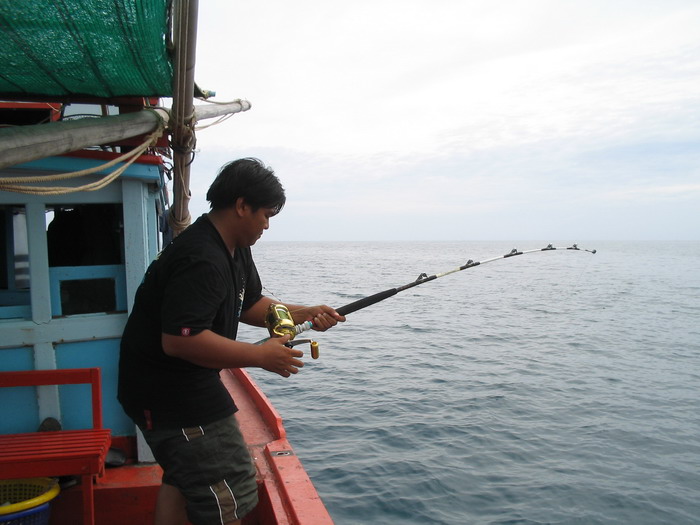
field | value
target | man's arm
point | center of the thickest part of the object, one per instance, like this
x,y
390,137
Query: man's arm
x,y
211,350
323,317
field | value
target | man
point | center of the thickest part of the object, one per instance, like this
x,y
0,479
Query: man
x,y
181,333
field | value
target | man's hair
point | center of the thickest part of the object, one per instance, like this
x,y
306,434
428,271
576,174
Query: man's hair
x,y
248,178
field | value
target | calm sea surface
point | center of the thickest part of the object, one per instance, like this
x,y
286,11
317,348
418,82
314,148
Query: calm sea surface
x,y
558,387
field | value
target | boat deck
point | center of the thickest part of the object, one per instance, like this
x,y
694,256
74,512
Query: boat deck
x,y
127,494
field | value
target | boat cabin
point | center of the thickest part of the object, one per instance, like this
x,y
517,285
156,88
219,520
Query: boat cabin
x,y
70,263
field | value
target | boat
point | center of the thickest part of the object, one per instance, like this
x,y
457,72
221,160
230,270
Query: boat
x,y
86,151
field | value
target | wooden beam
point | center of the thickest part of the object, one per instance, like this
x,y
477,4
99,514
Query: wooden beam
x,y
22,144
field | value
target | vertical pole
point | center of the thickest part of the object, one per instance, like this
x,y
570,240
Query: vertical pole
x,y
136,235
182,125
39,282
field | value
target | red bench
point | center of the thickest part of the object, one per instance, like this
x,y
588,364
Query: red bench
x,y
63,452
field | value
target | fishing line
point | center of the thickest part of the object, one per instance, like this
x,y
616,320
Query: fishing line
x,y
270,293
424,278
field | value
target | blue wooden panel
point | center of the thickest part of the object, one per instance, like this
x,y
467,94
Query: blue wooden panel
x,y
104,354
19,411
76,406
14,297
20,358
145,172
15,312
58,274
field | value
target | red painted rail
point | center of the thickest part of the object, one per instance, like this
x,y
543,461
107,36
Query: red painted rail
x,y
287,495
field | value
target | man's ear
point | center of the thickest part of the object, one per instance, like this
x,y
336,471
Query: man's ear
x,y
240,206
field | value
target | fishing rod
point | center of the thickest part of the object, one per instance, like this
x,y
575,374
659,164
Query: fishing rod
x,y
279,320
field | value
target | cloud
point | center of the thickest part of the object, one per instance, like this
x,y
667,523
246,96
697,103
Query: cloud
x,y
413,117
641,194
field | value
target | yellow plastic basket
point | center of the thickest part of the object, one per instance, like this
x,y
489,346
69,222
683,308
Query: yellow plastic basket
x,y
23,494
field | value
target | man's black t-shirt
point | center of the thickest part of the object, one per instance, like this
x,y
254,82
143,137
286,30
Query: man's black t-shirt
x,y
193,285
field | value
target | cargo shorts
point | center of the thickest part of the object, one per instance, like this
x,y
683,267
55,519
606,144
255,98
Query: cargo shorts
x,y
211,467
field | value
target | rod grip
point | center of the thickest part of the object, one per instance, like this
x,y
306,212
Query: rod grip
x,y
366,301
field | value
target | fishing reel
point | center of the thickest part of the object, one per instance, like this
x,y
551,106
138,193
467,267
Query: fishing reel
x,y
279,322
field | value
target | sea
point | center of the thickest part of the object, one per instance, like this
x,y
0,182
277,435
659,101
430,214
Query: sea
x,y
558,387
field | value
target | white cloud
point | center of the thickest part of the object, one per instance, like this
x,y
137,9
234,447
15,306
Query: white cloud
x,y
654,193
425,108
378,77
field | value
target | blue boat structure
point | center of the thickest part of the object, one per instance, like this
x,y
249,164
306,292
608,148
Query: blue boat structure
x,y
86,153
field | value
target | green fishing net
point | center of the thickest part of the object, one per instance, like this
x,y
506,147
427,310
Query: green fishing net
x,y
96,48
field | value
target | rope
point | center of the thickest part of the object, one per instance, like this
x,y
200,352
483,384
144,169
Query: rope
x,y
222,118
17,184
178,225
183,154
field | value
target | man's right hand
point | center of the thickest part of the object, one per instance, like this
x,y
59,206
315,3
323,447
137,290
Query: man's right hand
x,y
278,358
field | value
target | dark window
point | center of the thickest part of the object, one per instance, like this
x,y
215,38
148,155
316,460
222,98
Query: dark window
x,y
87,296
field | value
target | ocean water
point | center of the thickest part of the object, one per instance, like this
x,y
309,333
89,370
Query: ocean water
x,y
559,387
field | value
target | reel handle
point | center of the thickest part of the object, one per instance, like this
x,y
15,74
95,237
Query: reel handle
x,y
312,344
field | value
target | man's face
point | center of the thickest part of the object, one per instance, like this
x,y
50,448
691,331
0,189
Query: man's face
x,y
256,223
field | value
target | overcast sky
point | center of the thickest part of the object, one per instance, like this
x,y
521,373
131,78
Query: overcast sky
x,y
459,119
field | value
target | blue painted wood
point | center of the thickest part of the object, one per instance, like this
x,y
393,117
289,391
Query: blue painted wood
x,y
38,339
142,172
58,274
16,312
20,411
17,358
20,332
14,297
109,194
103,354
137,206
38,262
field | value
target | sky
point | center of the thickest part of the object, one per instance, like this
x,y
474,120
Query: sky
x,y
393,120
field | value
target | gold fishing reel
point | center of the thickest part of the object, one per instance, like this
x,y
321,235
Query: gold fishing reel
x,y
279,322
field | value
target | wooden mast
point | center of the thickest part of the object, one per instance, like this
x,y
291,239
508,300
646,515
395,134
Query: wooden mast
x,y
183,137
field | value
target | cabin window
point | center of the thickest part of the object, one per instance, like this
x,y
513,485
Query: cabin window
x,y
86,258
14,263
